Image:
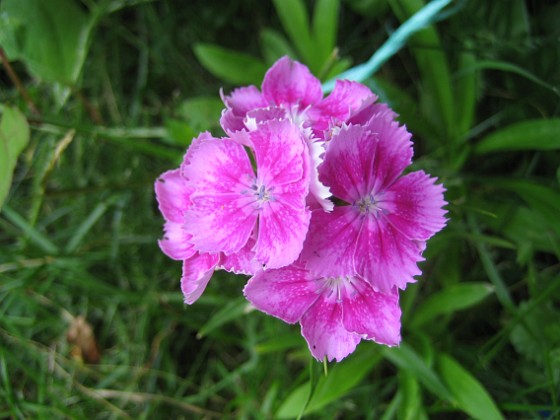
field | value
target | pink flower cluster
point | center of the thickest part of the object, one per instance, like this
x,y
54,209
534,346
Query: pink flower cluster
x,y
307,195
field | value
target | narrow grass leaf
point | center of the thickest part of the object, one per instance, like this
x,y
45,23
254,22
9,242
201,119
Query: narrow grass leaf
x,y
407,359
14,136
451,299
394,43
465,92
274,46
410,407
295,21
341,378
228,313
437,94
325,26
510,68
469,394
84,227
34,235
525,135
229,65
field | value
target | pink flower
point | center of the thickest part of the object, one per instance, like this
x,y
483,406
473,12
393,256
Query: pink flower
x,y
230,202
335,313
380,233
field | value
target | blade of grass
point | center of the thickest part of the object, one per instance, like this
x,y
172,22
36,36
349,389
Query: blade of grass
x,y
32,233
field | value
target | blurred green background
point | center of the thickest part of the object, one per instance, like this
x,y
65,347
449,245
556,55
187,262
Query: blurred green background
x,y
98,97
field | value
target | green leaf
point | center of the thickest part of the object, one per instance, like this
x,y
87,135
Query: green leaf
x,y
340,379
451,299
295,21
437,94
540,198
465,91
470,395
228,313
525,135
229,65
14,136
325,26
274,46
410,407
51,37
407,359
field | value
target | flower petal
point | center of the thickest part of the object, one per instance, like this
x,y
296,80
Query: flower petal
x,y
197,272
347,97
173,195
217,166
288,82
414,205
373,315
282,231
348,163
176,241
330,244
285,293
323,329
393,154
242,261
384,256
281,154
372,110
220,223
244,99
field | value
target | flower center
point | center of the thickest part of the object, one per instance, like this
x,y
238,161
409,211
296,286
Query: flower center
x,y
335,285
262,194
367,205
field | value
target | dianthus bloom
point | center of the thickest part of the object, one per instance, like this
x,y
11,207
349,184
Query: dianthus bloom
x,y
262,202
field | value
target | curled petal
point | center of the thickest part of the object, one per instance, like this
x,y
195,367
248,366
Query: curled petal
x,y
176,241
244,99
414,205
173,195
197,272
346,98
285,293
288,82
373,315
323,329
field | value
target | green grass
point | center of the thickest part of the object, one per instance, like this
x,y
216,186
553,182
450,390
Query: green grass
x,y
79,227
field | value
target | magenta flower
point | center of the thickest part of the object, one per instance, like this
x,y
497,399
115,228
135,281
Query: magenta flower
x,y
335,313
230,202
380,233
